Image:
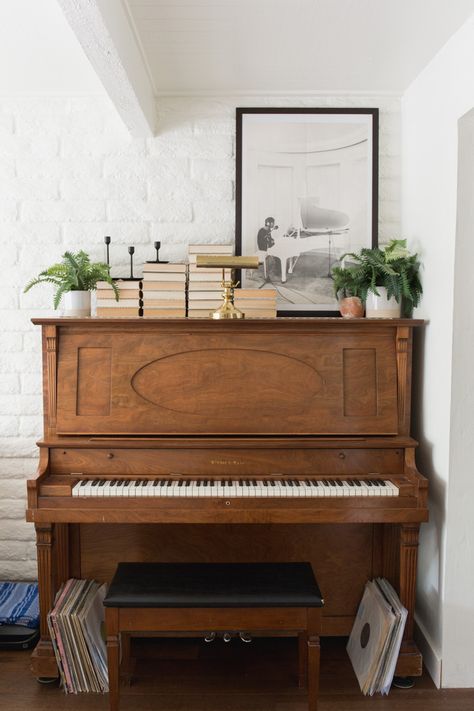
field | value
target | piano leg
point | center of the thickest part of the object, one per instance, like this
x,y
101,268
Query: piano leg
x,y
400,551
53,569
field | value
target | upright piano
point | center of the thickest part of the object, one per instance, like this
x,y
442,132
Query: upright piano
x,y
250,440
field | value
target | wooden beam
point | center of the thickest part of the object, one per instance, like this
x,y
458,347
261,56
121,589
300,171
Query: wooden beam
x,y
105,33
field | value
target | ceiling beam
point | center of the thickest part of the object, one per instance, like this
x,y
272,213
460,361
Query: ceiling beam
x,y
104,31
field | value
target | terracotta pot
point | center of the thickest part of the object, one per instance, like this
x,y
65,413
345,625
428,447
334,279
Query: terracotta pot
x,y
351,307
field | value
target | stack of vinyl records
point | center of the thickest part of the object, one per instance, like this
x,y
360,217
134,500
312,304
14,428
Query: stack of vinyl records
x,y
129,303
75,625
256,303
376,636
204,285
164,290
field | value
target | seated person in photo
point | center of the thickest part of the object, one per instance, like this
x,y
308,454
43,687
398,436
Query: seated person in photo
x,y
264,236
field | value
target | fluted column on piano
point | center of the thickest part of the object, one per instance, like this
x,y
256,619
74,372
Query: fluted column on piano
x,y
49,376
404,347
53,569
408,561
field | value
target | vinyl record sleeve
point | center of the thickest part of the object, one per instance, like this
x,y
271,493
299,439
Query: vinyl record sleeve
x,y
367,642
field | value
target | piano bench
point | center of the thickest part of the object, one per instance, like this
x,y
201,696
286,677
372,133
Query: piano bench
x,y
215,597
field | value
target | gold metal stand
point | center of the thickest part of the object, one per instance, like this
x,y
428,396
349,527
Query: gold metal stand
x,y
227,310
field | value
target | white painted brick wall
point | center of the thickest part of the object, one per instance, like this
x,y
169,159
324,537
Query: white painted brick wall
x,y
70,174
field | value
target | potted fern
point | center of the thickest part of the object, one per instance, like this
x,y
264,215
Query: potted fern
x,y
388,279
74,278
347,290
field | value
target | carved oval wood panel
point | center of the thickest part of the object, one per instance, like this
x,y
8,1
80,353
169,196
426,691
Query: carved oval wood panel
x,y
223,382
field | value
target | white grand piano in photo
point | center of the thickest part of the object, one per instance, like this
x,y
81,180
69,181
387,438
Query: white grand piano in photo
x,y
319,228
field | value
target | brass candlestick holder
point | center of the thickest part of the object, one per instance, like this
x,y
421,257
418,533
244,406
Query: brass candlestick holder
x,y
227,310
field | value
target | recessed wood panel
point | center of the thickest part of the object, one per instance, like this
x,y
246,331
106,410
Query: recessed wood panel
x,y
360,382
190,382
94,384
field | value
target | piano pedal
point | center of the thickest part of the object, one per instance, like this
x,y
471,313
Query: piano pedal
x,y
245,637
210,637
227,637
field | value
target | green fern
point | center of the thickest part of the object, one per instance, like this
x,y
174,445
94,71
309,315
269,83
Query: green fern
x,y
392,267
75,273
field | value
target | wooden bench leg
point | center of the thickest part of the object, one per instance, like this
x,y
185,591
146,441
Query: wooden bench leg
x,y
313,672
126,658
113,656
302,660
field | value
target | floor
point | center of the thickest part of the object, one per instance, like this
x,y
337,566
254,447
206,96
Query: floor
x,y
218,677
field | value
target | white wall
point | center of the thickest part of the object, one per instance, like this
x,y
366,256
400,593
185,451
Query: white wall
x,y
431,108
70,174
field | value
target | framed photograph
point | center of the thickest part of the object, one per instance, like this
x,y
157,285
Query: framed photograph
x,y
306,193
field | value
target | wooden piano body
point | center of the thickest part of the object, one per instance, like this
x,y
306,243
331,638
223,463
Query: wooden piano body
x,y
274,400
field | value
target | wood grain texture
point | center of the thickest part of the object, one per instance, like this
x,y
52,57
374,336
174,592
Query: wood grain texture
x,y
275,398
184,674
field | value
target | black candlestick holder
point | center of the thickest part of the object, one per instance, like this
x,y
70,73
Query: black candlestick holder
x,y
107,241
131,251
157,246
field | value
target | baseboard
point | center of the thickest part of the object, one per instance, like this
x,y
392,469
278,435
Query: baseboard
x,y
431,657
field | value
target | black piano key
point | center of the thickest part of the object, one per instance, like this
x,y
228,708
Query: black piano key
x,y
156,482
283,482
114,482
297,483
265,483
368,482
325,482
188,482
375,482
332,482
95,482
101,483
382,483
290,483
126,483
339,482
272,483
247,482
211,483
314,482
357,482
137,483
181,482
198,482
350,482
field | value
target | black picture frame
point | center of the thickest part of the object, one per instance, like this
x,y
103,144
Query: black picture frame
x,y
332,127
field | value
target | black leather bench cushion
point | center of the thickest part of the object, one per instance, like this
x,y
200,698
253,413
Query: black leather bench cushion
x,y
214,585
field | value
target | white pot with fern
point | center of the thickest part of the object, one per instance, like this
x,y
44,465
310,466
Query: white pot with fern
x,y
74,278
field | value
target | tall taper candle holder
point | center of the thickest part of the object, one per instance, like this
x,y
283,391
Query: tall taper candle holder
x,y
227,310
131,251
107,241
157,246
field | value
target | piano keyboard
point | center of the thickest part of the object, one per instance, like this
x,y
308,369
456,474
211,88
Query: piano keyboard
x,y
235,488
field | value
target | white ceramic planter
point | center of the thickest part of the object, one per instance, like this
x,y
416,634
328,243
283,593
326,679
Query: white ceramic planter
x,y
77,303
380,306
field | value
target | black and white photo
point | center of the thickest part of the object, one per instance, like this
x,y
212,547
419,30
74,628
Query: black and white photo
x,y
306,193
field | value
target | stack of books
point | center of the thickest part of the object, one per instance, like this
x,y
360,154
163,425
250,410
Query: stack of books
x,y
256,303
164,290
75,625
129,303
376,636
204,285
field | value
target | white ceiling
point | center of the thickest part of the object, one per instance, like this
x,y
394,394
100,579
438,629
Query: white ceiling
x,y
194,46
39,53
